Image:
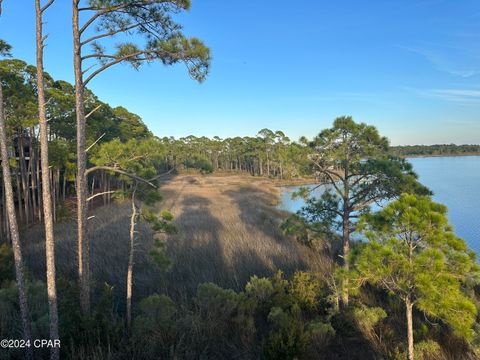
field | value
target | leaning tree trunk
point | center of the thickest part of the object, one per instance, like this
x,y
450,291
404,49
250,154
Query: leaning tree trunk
x,y
133,222
15,238
46,193
409,311
83,242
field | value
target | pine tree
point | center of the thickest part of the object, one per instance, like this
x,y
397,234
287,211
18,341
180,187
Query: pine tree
x,y
137,162
414,254
45,170
352,160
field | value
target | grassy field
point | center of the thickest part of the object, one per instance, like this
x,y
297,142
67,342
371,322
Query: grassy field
x,y
227,232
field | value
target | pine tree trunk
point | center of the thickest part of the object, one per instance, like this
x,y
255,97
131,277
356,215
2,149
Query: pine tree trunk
x,y
82,237
409,313
345,253
19,194
2,216
32,172
346,234
64,186
37,187
345,238
46,193
39,190
130,260
24,181
268,166
12,221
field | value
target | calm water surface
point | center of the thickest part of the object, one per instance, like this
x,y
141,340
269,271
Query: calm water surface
x,y
455,182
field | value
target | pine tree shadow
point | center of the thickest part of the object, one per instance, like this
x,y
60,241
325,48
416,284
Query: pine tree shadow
x,y
257,212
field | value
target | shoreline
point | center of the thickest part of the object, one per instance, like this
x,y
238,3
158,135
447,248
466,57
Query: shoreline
x,y
438,155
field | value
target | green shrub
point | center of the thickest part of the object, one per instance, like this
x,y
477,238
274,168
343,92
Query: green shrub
x,y
260,289
321,335
215,302
288,339
368,321
428,350
156,312
201,163
305,288
367,318
154,329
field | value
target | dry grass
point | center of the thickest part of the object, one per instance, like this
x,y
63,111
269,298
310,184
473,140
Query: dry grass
x,y
228,231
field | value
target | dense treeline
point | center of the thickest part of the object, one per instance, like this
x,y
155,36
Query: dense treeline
x,y
270,154
104,124
435,150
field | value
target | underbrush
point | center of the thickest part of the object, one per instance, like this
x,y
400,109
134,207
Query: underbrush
x,y
271,318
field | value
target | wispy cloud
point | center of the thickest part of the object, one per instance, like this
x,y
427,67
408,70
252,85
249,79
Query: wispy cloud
x,y
454,60
463,96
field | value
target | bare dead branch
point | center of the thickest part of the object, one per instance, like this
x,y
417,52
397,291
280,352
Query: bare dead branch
x,y
100,194
91,112
96,141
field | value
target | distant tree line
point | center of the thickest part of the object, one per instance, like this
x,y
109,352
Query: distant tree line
x,y
270,154
435,150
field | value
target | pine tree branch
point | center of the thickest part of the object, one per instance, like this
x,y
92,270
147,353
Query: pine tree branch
x,y
119,171
113,32
135,55
104,11
106,66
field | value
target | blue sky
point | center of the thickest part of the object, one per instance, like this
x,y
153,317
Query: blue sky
x,y
409,67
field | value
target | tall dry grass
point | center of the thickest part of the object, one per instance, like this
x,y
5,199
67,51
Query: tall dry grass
x,y
227,232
